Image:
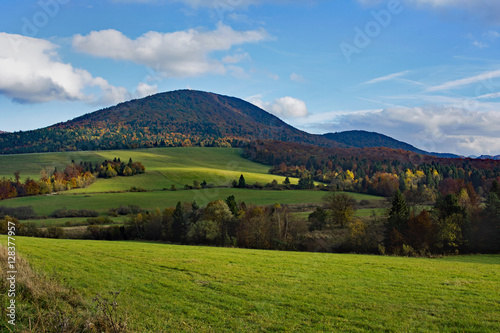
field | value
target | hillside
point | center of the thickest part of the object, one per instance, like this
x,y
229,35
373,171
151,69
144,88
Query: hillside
x,y
364,139
172,119
488,157
211,289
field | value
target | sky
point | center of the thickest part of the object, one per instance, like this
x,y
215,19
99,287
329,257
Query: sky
x,y
426,72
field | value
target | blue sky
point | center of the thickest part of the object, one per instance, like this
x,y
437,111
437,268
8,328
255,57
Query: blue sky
x,y
426,72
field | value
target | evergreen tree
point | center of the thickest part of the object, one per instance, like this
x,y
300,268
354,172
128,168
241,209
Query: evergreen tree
x,y
241,182
287,182
179,226
231,203
399,212
397,222
495,188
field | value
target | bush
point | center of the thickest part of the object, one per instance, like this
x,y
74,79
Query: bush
x,y
113,212
61,213
137,189
126,210
123,210
99,220
55,232
21,213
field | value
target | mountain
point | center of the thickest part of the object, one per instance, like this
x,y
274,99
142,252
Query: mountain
x,y
364,139
1,132
177,118
488,157
182,118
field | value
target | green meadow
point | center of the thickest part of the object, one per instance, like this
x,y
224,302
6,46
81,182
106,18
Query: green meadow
x,y
45,205
164,167
169,288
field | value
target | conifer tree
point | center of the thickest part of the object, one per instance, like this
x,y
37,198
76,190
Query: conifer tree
x,y
241,182
179,223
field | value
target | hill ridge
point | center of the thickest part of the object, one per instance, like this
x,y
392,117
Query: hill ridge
x,y
182,118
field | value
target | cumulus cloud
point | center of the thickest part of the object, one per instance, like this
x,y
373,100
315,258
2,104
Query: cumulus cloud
x,y
144,89
236,58
284,107
432,128
33,73
175,54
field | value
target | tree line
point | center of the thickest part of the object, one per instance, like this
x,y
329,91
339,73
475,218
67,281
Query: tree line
x,y
455,224
74,176
378,171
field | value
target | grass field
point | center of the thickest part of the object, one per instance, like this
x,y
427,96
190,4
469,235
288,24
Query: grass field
x,y
168,288
164,167
45,205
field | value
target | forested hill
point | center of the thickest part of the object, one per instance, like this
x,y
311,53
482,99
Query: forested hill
x,y
364,139
182,118
178,118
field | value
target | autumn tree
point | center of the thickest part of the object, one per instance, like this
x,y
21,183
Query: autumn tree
x,y
340,208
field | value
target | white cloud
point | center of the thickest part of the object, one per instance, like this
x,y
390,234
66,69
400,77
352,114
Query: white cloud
x,y
489,96
492,35
480,45
33,73
285,107
175,54
297,77
144,89
432,128
236,58
387,77
481,78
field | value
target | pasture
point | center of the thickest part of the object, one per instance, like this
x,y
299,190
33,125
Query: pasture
x,y
169,288
45,205
164,167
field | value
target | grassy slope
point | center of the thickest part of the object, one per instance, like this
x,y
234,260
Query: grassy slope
x,y
183,288
45,205
164,167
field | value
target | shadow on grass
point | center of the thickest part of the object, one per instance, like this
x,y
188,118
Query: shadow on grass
x,y
489,259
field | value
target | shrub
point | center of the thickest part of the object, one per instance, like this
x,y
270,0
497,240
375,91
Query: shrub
x,y
61,213
21,213
99,220
55,232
